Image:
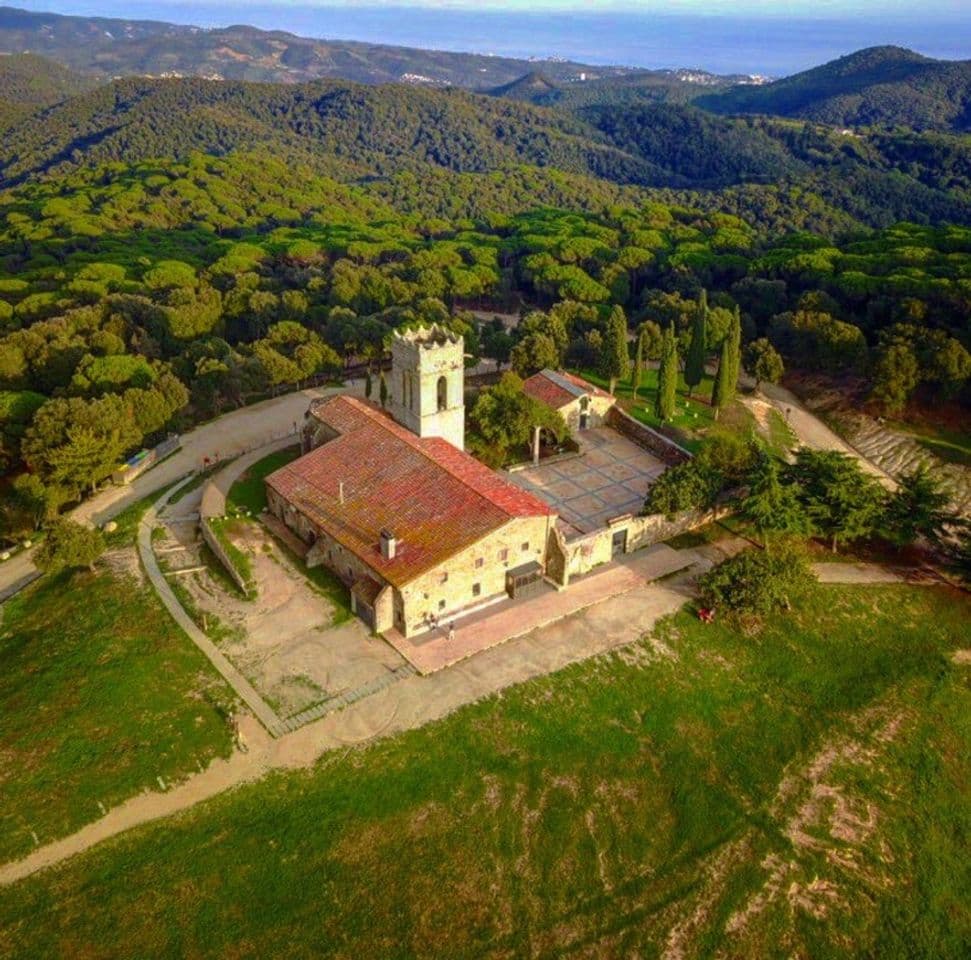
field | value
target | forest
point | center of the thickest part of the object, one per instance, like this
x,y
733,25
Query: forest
x,y
171,249
136,299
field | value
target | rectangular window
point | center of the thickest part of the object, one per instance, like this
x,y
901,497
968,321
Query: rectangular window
x,y
478,562
503,554
525,546
476,589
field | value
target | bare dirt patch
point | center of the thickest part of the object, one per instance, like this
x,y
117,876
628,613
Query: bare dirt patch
x,y
283,641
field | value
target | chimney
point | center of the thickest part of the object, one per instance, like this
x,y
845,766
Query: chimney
x,y
536,436
389,545
340,492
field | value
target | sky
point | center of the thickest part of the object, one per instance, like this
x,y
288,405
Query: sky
x,y
774,8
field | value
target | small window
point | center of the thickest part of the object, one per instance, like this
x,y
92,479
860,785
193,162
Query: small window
x,y
442,391
441,604
476,589
503,554
525,546
478,563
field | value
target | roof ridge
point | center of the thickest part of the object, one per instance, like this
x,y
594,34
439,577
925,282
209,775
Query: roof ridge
x,y
385,420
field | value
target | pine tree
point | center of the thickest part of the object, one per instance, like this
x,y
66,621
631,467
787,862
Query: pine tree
x,y
667,377
729,363
615,359
772,504
694,365
638,364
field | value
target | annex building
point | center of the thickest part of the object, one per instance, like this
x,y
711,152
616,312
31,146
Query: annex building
x,y
581,404
390,501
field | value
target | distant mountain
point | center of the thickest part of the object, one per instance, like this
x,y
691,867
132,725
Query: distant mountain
x,y
370,129
111,48
28,82
887,86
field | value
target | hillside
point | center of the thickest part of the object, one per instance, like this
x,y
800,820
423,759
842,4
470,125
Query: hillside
x,y
886,86
114,48
28,81
354,131
371,129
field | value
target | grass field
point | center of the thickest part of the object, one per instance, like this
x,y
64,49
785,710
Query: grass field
x,y
249,491
692,416
100,693
799,793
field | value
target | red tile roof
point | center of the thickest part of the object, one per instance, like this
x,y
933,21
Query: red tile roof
x,y
436,499
541,388
557,388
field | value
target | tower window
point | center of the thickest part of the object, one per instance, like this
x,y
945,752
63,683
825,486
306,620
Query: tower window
x,y
442,393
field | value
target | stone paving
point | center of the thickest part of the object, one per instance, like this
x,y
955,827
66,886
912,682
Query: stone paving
x,y
611,477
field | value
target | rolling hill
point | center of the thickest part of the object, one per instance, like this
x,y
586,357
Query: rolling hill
x,y
111,48
362,132
886,86
28,81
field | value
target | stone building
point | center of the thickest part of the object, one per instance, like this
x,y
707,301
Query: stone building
x,y
417,528
581,404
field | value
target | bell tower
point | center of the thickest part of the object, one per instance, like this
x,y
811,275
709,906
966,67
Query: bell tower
x,y
428,383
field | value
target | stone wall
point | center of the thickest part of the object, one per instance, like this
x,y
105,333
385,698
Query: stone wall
x,y
214,544
664,448
573,558
449,587
598,411
442,591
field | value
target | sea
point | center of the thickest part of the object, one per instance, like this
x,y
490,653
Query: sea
x,y
767,44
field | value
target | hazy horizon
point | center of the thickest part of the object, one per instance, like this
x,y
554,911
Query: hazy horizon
x,y
751,38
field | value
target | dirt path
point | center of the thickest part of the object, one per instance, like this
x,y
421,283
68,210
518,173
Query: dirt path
x,y
410,703
813,433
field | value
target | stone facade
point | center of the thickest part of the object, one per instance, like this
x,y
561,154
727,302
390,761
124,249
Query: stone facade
x,y
473,576
584,413
427,383
470,578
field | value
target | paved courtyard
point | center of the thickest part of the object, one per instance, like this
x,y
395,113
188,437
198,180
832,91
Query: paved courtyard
x,y
611,477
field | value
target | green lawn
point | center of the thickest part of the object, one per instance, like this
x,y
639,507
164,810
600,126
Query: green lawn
x,y
692,416
799,793
249,491
100,693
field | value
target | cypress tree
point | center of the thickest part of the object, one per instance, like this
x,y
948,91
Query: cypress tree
x,y
638,365
383,390
667,377
694,365
368,385
615,359
729,362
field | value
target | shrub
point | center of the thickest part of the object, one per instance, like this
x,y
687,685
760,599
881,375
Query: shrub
x,y
755,582
688,486
69,545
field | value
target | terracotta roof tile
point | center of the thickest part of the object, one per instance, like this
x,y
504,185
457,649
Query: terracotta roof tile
x,y
436,499
540,387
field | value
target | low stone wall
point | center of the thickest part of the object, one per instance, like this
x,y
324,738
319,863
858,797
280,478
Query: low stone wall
x,y
573,558
664,448
212,541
